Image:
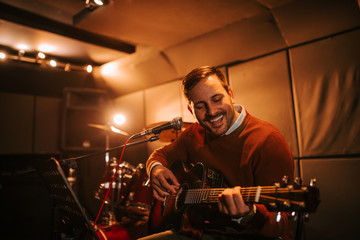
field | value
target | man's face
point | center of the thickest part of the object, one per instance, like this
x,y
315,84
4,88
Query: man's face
x,y
213,106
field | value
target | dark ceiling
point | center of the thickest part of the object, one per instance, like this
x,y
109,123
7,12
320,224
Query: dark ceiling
x,y
114,30
149,42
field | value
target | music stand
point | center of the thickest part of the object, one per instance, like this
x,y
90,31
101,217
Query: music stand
x,y
69,216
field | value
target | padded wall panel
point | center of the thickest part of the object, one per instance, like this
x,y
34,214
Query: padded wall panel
x,y
237,41
337,216
16,123
47,125
326,78
262,86
132,107
162,103
301,21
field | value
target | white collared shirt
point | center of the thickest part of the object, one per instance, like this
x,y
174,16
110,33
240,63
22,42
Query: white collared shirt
x,y
238,121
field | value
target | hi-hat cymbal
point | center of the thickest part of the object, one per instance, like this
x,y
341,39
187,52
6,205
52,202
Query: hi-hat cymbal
x,y
108,128
169,135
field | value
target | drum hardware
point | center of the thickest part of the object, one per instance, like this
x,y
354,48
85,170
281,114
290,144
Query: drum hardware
x,y
119,190
108,128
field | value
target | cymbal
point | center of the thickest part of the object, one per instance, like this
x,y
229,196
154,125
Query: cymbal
x,y
170,135
108,128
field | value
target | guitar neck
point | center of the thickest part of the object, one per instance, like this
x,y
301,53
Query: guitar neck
x,y
211,195
260,194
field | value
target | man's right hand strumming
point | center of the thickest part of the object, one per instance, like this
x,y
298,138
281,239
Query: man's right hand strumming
x,y
163,182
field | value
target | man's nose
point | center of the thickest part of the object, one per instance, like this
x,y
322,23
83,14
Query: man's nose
x,y
211,110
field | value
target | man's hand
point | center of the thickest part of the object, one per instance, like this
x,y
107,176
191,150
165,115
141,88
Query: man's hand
x,y
163,182
232,203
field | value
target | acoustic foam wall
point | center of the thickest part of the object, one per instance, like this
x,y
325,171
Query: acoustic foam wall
x,y
338,213
326,77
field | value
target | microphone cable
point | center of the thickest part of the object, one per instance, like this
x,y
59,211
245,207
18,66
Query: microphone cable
x,y
110,186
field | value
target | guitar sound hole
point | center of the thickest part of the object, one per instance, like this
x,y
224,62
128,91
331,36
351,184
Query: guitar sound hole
x,y
180,198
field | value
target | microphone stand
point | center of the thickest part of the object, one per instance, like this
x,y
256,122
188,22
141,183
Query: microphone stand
x,y
72,161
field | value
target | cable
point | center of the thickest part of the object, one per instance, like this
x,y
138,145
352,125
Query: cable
x,y
113,179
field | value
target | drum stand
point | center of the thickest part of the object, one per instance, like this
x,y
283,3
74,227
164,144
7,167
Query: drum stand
x,y
108,214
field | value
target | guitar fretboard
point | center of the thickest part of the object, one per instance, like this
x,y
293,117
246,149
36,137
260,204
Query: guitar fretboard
x,y
257,194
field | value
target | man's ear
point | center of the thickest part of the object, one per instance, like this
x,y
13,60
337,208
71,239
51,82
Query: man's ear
x,y
231,94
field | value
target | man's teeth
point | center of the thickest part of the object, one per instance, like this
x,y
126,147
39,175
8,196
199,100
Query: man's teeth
x,y
216,119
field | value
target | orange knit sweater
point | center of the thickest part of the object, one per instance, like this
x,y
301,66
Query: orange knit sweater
x,y
255,154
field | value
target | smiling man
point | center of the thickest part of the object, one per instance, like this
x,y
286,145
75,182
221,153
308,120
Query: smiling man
x,y
213,105
244,150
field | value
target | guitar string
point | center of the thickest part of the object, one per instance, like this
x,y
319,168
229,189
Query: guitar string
x,y
197,195
244,191
214,198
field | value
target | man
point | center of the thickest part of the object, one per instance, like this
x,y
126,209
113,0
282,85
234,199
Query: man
x,y
246,150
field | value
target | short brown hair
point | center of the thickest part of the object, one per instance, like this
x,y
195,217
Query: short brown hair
x,y
197,74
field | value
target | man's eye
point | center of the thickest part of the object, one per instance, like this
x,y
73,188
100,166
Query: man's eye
x,y
199,106
217,99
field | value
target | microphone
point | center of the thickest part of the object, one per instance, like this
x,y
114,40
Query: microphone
x,y
176,124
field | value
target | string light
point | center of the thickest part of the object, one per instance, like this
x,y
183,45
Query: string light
x,y
89,68
52,63
67,67
39,57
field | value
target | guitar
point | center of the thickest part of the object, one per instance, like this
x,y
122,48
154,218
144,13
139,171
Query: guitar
x,y
188,210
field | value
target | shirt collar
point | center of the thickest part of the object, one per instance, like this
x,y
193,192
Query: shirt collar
x,y
238,121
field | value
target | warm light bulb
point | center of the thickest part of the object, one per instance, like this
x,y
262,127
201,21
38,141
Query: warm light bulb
x,y
67,67
41,55
53,63
119,119
89,68
2,55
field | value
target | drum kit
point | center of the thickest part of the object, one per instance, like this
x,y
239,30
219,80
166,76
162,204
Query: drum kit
x,y
130,197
